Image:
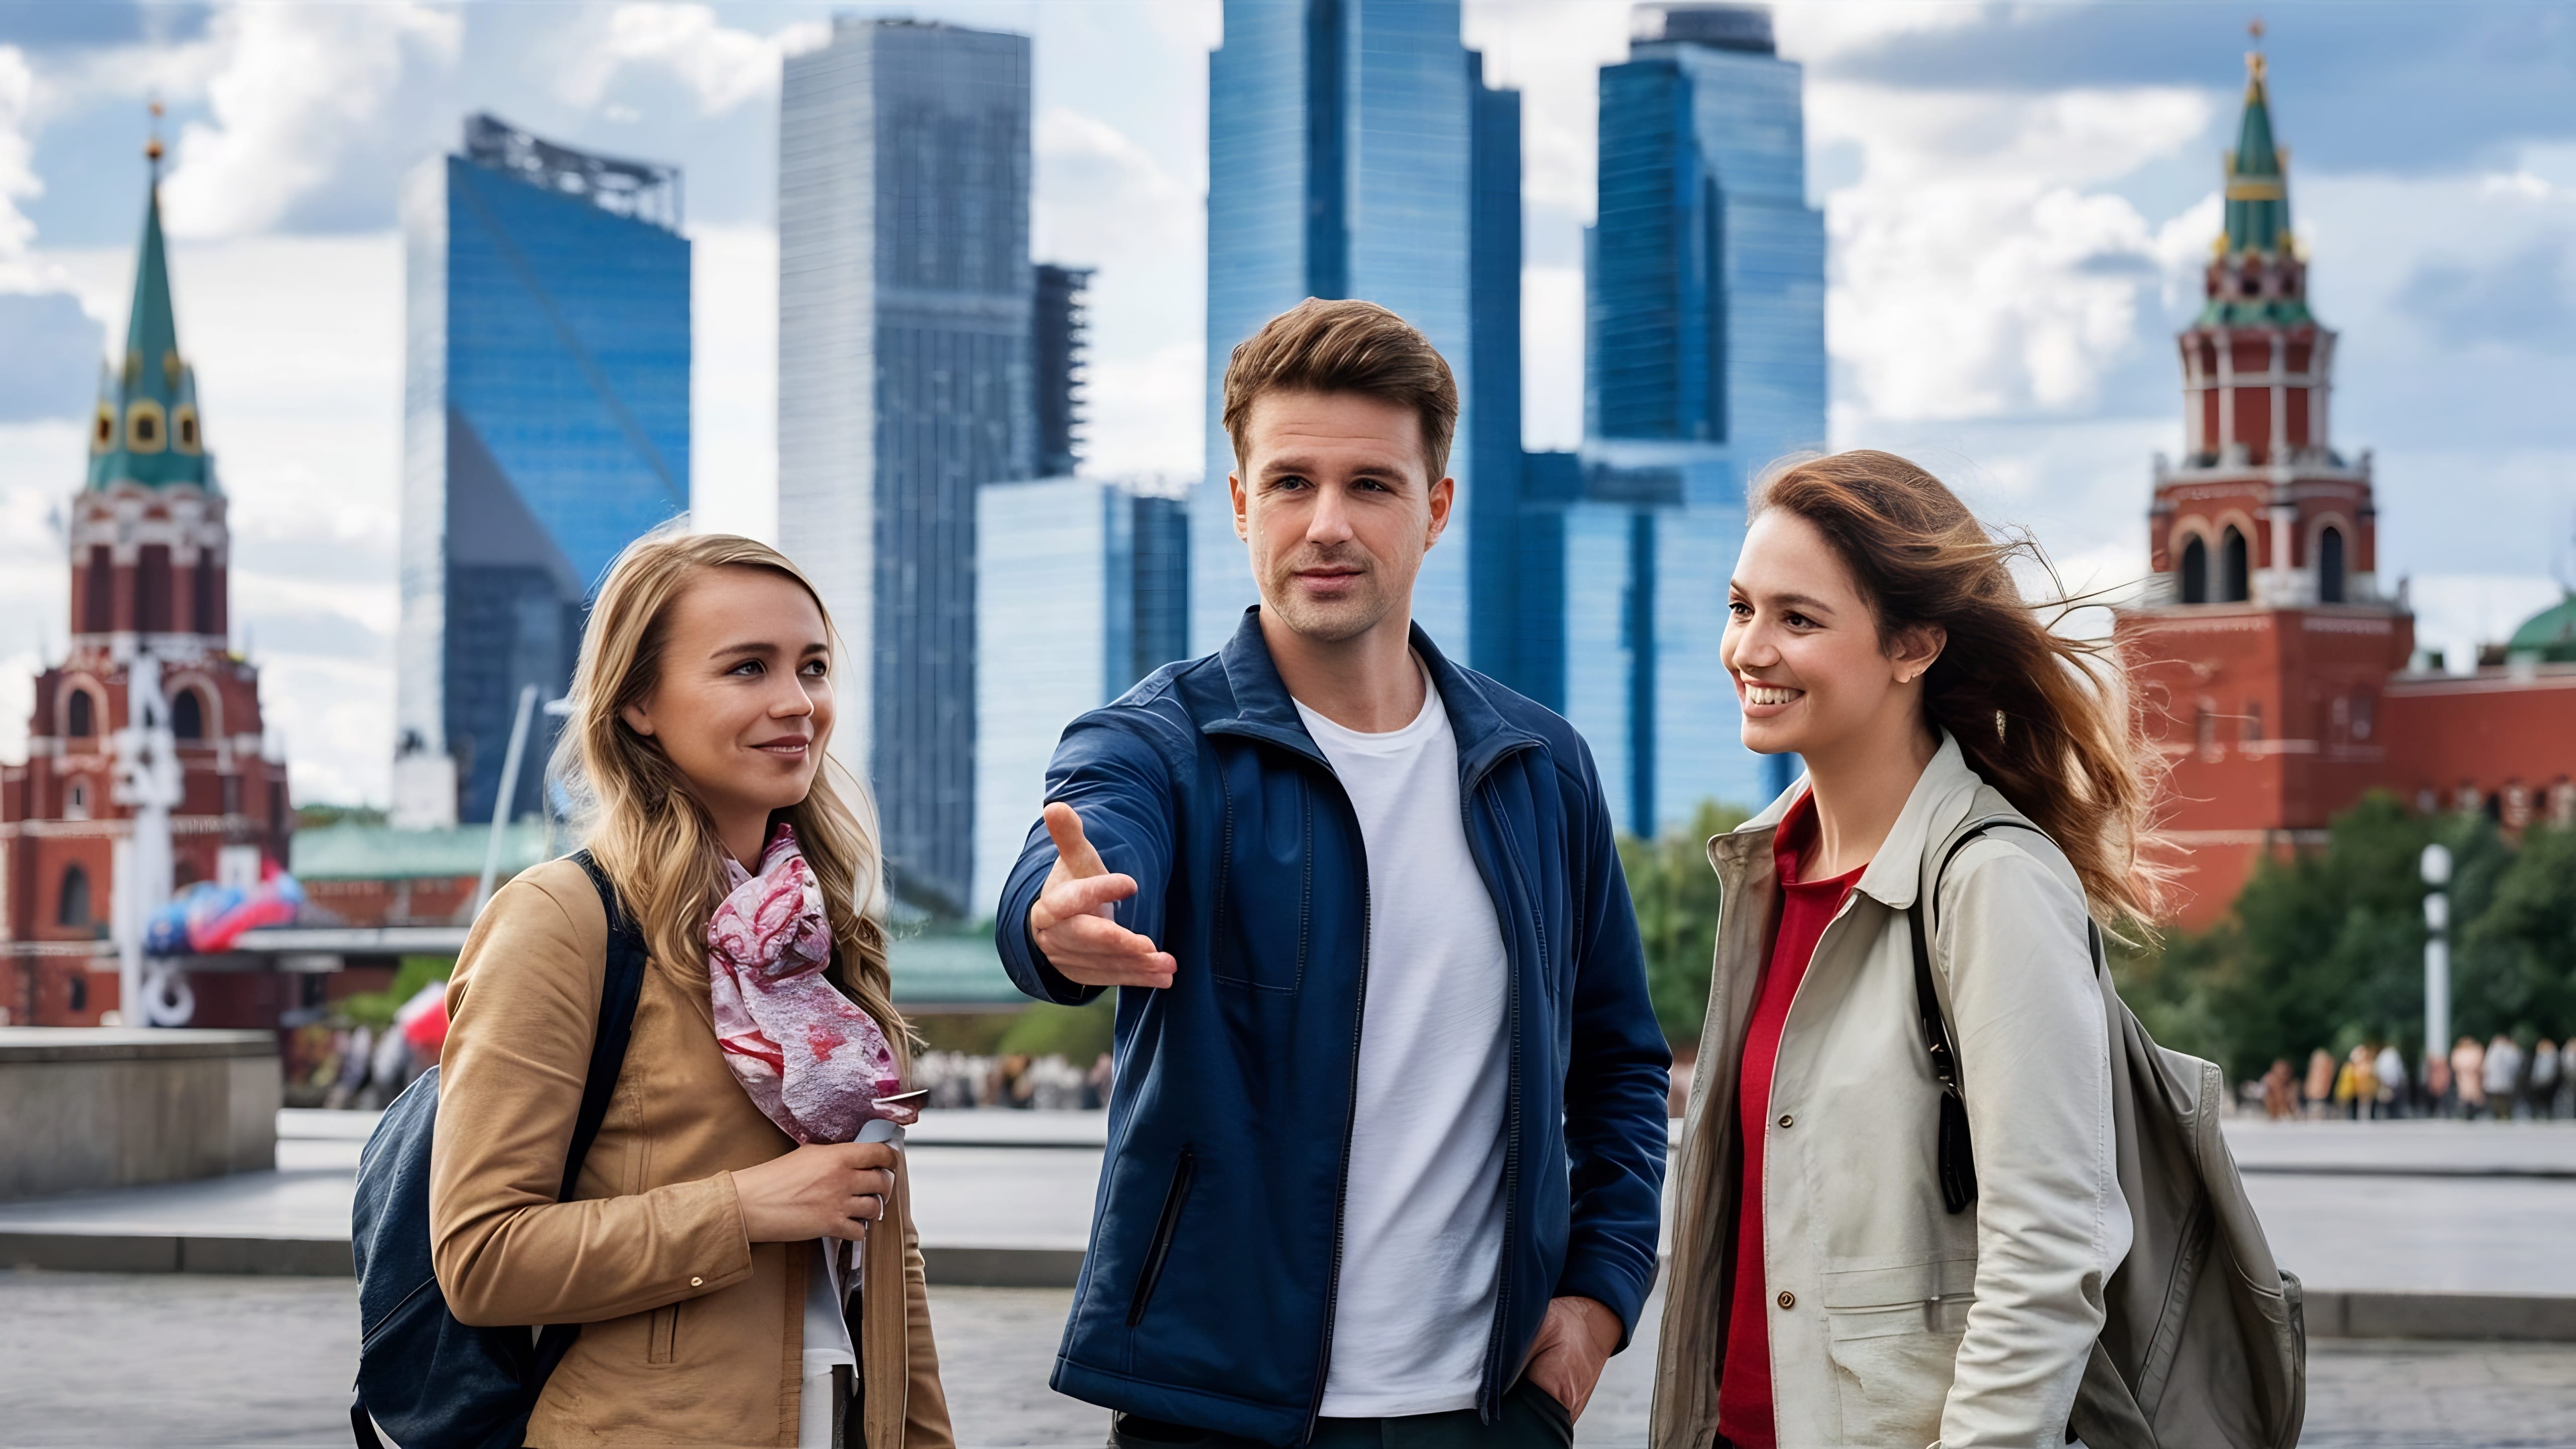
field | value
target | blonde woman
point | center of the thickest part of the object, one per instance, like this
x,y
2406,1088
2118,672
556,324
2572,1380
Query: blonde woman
x,y
701,1252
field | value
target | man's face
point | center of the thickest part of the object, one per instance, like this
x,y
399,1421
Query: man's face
x,y
1335,497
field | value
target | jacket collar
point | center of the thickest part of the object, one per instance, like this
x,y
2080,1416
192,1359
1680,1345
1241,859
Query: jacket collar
x,y
1261,708
1939,801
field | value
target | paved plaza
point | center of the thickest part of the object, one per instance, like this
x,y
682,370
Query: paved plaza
x,y
197,1358
177,1359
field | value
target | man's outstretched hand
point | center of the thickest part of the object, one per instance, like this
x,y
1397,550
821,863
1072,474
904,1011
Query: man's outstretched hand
x,y
1071,920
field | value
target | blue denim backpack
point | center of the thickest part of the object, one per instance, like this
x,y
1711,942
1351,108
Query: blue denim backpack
x,y
430,1381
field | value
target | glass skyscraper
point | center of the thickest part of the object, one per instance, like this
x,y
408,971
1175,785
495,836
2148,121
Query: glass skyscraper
x,y
1354,151
1082,586
904,385
1705,363
546,426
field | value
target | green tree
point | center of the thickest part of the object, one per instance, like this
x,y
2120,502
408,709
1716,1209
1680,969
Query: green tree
x,y
2325,948
1675,893
2517,966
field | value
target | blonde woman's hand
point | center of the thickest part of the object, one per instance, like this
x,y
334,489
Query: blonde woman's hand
x,y
823,1190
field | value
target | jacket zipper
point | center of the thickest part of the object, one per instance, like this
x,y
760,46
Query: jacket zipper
x,y
1350,1123
1182,1173
1489,1406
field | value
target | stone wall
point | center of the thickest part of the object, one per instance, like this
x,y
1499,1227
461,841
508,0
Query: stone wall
x,y
93,1107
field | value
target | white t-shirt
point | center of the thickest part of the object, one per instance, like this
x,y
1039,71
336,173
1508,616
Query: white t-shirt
x,y
1422,1224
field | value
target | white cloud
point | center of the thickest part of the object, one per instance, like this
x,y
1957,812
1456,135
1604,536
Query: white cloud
x,y
721,66
298,91
1551,357
1145,414
18,180
733,381
1977,269
1099,196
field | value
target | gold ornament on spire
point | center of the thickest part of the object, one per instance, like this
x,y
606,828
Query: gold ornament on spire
x,y
152,147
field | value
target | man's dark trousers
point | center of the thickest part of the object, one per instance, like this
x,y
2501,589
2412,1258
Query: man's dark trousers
x,y
1530,1419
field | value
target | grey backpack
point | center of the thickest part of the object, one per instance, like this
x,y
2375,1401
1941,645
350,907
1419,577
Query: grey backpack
x,y
2203,1343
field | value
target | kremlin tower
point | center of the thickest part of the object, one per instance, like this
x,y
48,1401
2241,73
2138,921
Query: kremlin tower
x,y
148,767
2272,665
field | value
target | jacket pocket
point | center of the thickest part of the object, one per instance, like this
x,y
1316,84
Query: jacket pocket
x,y
1893,1335
663,1341
1160,1249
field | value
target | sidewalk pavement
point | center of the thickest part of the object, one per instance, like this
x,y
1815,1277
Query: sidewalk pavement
x,y
72,1342
2405,1229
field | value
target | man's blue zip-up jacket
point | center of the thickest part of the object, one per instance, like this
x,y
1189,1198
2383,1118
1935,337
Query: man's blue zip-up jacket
x,y
1207,1295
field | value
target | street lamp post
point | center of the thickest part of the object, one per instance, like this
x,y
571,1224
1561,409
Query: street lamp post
x,y
2436,866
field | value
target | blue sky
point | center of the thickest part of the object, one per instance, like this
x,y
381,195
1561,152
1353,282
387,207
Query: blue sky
x,y
2018,198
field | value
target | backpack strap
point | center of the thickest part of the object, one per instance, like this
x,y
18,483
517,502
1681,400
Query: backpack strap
x,y
618,993
1958,1163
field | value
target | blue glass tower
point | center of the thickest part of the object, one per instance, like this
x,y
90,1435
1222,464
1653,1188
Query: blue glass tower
x,y
1354,151
905,384
546,426
1705,363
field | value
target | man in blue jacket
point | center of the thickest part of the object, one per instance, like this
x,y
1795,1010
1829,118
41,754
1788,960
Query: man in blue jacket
x,y
1387,1141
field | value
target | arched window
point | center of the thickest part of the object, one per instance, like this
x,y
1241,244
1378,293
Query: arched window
x,y
72,908
80,720
2330,565
2204,731
2195,571
2235,579
188,716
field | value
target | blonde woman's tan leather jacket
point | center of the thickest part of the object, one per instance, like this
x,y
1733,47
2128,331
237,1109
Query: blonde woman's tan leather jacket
x,y
1894,1322
691,1333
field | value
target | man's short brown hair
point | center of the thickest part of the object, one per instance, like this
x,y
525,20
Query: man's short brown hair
x,y
1345,346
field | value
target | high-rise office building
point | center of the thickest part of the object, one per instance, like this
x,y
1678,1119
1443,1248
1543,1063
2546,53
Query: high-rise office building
x,y
1082,590
1705,363
546,426
904,385
1059,332
1355,151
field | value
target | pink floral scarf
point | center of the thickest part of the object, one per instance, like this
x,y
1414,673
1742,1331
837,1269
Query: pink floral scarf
x,y
810,1058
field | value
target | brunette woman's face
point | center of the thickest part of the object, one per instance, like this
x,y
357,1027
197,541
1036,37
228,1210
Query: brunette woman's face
x,y
743,706
1802,646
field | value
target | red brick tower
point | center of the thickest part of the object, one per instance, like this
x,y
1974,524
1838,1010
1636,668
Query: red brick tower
x,y
2263,641
149,596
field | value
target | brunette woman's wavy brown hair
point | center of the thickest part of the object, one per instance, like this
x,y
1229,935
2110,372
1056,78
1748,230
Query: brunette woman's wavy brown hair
x,y
641,821
2045,718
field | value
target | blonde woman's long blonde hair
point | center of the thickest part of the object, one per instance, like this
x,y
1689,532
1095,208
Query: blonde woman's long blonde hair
x,y
643,824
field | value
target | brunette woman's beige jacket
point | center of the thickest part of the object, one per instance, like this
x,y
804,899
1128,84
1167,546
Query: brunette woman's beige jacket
x,y
1894,1323
691,1333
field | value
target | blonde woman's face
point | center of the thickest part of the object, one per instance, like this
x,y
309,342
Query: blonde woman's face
x,y
743,707
1803,650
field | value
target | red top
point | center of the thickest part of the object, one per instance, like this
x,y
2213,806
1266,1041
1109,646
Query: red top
x,y
1744,1386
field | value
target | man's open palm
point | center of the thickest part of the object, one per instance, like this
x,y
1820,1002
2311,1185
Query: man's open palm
x,y
1071,920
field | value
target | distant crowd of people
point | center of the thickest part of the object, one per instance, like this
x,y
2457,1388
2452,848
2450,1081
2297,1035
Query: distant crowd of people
x,y
2500,1081
1046,1084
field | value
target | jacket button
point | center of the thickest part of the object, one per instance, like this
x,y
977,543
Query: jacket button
x,y
1787,1120
701,1283
1788,1299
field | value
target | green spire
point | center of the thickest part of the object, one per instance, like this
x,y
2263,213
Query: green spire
x,y
2258,191
146,428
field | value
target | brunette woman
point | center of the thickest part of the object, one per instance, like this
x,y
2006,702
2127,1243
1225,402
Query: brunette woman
x,y
703,1253
1822,1289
